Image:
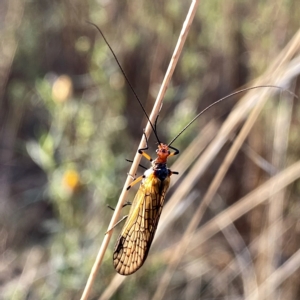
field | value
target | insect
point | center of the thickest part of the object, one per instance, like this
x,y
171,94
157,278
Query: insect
x,y
134,242
135,239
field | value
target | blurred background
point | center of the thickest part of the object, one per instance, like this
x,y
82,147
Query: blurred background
x,y
68,121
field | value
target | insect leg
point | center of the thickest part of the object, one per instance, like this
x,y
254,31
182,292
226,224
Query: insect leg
x,y
127,203
139,164
173,153
124,218
141,150
135,181
176,151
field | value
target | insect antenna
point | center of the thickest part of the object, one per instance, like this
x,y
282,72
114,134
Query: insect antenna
x,y
127,80
155,128
222,99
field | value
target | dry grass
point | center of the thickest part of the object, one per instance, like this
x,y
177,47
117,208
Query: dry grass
x,y
271,192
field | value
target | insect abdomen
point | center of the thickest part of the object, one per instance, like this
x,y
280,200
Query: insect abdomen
x,y
137,235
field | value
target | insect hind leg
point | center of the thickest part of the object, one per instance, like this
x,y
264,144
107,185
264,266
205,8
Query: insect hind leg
x,y
124,218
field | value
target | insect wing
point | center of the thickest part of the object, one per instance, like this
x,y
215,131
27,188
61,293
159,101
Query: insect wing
x,y
134,242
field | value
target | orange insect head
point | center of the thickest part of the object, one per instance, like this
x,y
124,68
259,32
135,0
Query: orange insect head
x,y
162,153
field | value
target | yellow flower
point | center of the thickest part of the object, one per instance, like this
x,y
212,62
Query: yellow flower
x,y
71,179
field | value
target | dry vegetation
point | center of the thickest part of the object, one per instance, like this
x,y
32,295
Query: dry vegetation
x,y
68,121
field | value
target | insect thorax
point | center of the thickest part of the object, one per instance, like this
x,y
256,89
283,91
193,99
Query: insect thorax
x,y
161,171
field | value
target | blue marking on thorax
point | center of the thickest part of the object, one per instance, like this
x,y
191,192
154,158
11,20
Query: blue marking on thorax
x,y
161,171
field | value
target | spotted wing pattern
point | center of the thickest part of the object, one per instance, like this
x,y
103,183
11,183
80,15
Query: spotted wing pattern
x,y
134,242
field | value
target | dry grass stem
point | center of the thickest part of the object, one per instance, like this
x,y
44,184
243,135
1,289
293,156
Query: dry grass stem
x,y
233,270
247,203
277,278
273,245
243,259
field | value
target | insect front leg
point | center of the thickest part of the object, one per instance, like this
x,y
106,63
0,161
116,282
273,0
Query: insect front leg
x,y
141,150
176,152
